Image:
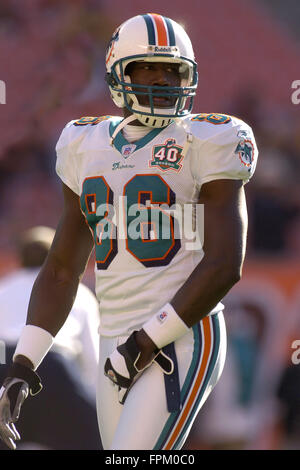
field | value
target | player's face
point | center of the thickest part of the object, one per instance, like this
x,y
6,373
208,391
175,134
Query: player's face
x,y
155,74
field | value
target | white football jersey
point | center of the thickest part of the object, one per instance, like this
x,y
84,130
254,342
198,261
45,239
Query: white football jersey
x,y
140,199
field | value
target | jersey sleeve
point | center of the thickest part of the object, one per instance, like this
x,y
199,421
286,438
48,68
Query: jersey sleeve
x,y
67,163
228,152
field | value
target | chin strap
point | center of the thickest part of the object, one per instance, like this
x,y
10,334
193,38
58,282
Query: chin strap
x,y
122,124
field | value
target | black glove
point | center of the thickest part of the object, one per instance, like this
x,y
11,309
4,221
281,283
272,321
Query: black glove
x,y
120,367
19,382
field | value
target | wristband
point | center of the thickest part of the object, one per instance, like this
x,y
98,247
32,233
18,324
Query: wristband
x,y
34,343
165,326
29,376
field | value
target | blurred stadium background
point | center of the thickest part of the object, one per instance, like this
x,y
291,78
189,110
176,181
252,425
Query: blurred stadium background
x,y
248,51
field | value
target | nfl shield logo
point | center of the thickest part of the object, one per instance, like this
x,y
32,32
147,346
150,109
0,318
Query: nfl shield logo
x,y
162,316
127,150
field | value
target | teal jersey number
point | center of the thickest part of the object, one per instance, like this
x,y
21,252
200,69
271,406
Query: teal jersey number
x,y
150,229
97,203
151,236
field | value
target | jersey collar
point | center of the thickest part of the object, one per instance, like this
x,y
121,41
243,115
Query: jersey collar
x,y
120,143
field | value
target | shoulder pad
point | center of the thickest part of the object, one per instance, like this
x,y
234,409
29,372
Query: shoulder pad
x,y
209,126
227,146
79,130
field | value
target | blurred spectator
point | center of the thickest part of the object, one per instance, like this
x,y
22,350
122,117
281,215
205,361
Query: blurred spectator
x,y
10,19
65,411
243,412
274,206
273,196
248,105
88,28
288,391
29,193
289,396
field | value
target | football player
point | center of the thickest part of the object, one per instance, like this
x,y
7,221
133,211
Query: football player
x,y
162,332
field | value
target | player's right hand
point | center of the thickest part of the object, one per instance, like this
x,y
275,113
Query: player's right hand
x,y
12,396
121,366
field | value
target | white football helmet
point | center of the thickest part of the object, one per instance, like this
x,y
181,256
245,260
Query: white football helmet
x,y
152,38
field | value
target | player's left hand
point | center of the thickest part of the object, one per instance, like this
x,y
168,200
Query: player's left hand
x,y
121,366
12,396
20,381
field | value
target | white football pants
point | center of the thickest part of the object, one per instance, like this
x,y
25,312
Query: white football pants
x,y
144,422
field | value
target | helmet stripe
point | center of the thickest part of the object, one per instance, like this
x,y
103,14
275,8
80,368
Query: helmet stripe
x,y
150,29
170,31
161,29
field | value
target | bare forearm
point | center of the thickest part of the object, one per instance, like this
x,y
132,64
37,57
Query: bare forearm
x,y
206,286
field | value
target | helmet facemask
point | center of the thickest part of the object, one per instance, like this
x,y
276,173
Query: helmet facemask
x,y
127,94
